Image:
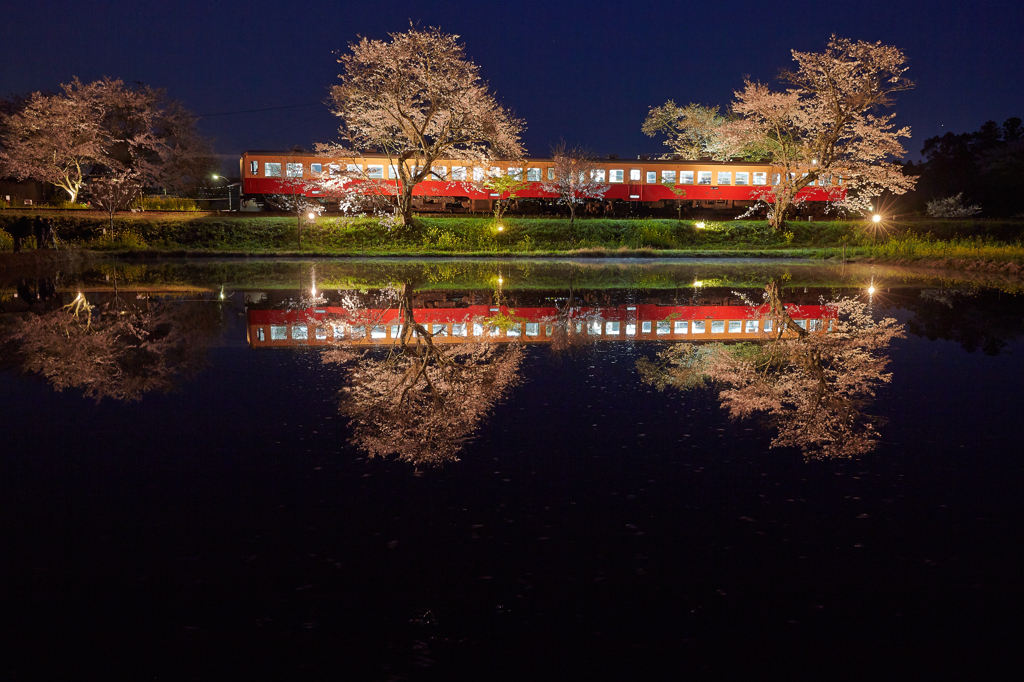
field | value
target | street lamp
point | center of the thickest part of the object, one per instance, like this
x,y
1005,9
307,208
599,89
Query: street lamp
x,y
227,186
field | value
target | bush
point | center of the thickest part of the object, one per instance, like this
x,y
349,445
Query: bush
x,y
6,241
165,204
951,207
4,204
68,206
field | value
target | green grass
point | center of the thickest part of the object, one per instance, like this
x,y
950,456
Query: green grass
x,y
193,233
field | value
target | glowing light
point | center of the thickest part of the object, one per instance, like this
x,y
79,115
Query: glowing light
x,y
814,161
311,215
698,283
501,281
700,225
876,218
501,228
871,289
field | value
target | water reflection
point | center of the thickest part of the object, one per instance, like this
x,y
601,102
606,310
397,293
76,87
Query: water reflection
x,y
109,344
813,382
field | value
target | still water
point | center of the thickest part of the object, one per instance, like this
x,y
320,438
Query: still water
x,y
527,470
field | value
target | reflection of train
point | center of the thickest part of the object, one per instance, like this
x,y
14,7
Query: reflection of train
x,y
330,325
701,184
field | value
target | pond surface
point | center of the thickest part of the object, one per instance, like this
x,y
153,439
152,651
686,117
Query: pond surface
x,y
223,486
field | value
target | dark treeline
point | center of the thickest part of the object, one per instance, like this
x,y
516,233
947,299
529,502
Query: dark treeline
x,y
986,167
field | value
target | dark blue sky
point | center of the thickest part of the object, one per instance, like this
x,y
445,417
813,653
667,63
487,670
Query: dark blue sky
x,y
585,71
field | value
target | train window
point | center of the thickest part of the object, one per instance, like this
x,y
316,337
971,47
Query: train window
x,y
616,175
668,176
533,328
597,175
300,331
823,180
681,326
760,178
515,330
321,334
767,325
439,329
735,326
698,326
316,168
339,331
515,173
393,172
396,330
358,332
815,326
272,170
458,172
717,326
751,326
645,327
652,177
664,327
551,173
293,170
459,329
776,177
724,177
802,324
494,172
611,327
704,177
259,334
375,171
478,329
594,328
278,332
742,178
634,175
548,330
631,329
533,174
254,167
686,177
478,174
440,172
378,332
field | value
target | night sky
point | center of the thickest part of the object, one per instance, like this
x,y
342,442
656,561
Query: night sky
x,y
583,71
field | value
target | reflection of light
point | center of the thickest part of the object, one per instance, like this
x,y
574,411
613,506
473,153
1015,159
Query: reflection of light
x,y
700,225
698,283
501,281
871,289
876,218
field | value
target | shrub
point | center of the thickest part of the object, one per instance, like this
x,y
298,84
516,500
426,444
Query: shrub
x,y
951,207
68,206
6,241
165,204
4,204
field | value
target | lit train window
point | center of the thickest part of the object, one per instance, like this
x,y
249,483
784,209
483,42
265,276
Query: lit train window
x,y
358,332
704,178
724,177
278,332
551,173
459,329
350,168
823,180
668,176
300,331
494,172
652,177
254,167
478,174
259,334
631,329
393,172
611,328
515,330
735,326
597,175
440,172
742,178
802,324
516,173
335,169
634,175
375,171
532,328
751,326
616,175
272,170
378,332
760,178
681,326
645,327
686,177
439,329
316,168
547,330
815,326
664,327
717,326
293,170
339,331
767,325
321,333
478,329
458,172
396,331
698,326
594,328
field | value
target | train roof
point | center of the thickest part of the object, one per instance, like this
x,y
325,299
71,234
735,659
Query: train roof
x,y
623,161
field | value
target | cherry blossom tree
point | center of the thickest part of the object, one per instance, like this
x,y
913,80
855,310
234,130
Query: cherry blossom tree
x,y
115,193
417,98
691,132
826,128
420,400
813,387
577,177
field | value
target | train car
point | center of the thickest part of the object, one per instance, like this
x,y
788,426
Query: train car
x,y
330,325
703,183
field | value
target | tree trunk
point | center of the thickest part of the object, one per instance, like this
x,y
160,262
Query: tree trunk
x,y
405,203
298,227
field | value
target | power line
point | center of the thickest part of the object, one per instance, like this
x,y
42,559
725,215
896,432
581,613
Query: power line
x,y
253,111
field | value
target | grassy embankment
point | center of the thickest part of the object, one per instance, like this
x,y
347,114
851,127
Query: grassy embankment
x,y
932,241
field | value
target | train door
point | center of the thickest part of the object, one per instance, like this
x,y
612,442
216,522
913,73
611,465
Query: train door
x,y
635,187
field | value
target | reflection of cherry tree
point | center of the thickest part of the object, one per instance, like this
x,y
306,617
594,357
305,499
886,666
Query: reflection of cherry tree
x,y
419,399
114,350
812,386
